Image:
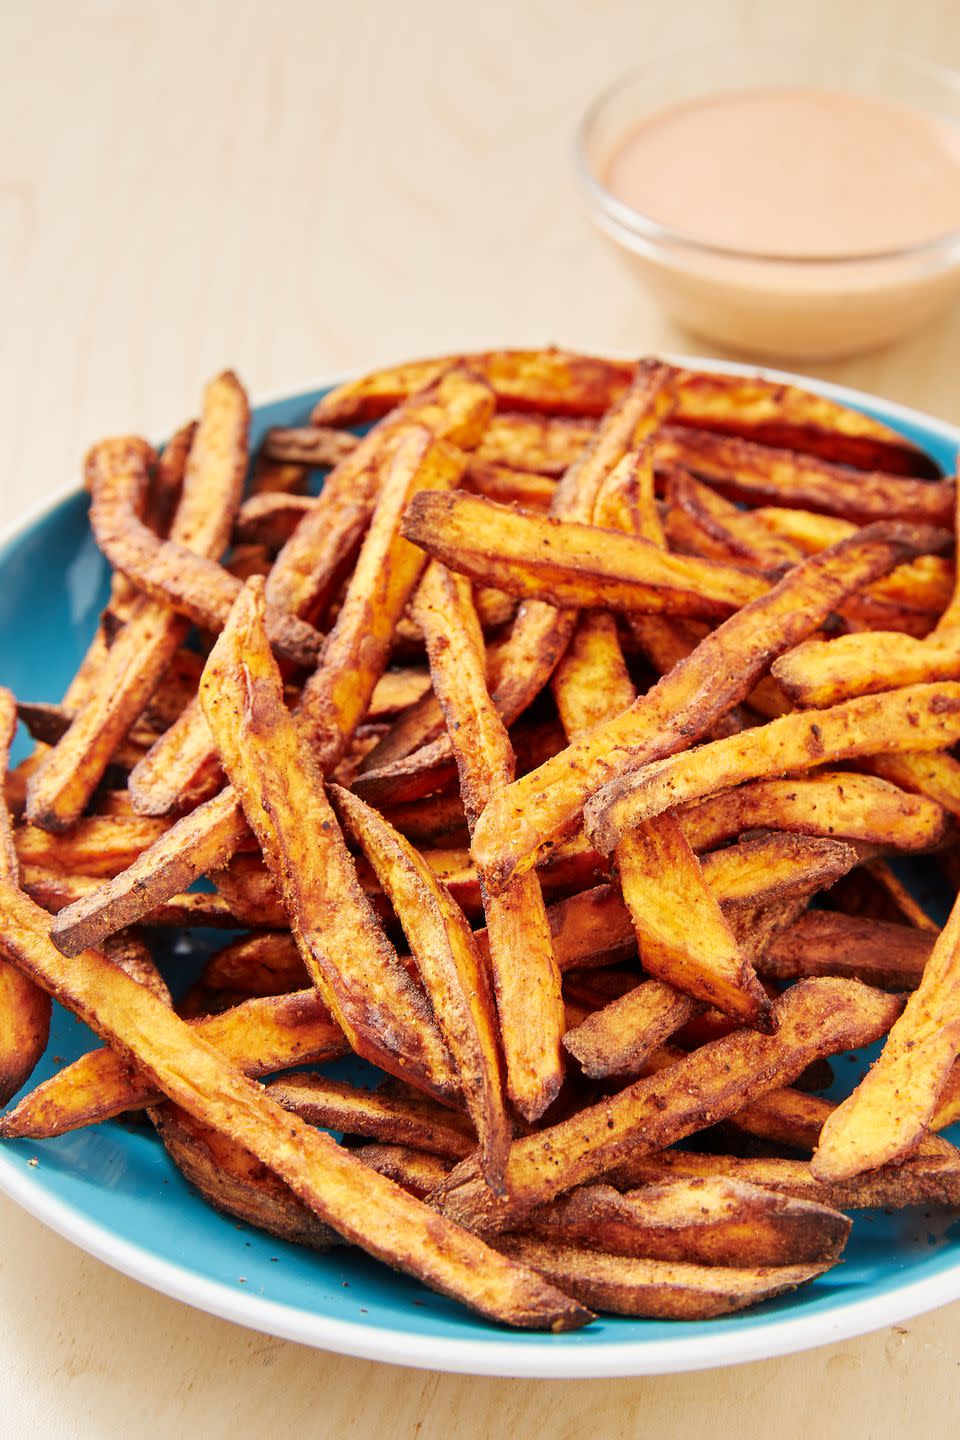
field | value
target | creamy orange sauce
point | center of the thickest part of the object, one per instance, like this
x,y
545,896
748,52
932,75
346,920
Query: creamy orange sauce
x,y
793,172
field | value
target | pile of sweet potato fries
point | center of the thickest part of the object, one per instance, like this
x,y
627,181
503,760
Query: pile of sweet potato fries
x,y
551,759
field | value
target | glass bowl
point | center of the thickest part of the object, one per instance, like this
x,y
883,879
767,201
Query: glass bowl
x,y
773,306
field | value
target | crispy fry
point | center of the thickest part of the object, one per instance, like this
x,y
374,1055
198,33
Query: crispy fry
x,y
191,584
308,445
815,1018
617,1038
510,487
393,1119
362,1206
344,949
591,683
98,845
180,770
656,1289
272,476
848,806
823,672
570,564
525,974
55,891
760,474
709,1221
919,716
933,774
924,1180
414,1170
233,1181
336,697
826,942
456,408
886,1116
267,964
270,517
24,1007
259,1036
452,970
686,704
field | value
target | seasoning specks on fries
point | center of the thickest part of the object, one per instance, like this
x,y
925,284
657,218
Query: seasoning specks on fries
x,y
634,664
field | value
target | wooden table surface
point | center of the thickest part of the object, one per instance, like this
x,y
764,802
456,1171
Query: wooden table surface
x,y
298,190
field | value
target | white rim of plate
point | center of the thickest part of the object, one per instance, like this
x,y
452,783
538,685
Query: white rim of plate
x,y
538,1357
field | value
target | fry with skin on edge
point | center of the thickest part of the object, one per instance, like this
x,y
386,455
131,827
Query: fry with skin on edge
x,y
841,804
827,942
191,584
259,1036
135,663
814,1018
24,1007
392,1119
347,954
885,1118
95,845
683,935
232,1180
451,967
364,1207
568,563
56,891
525,974
760,474
656,1289
713,1221
919,716
544,805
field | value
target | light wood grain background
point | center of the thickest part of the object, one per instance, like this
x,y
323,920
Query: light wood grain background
x,y
298,190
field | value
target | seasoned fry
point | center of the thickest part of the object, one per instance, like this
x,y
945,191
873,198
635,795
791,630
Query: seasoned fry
x,y
336,697
346,953
414,1170
570,564
886,1116
56,891
267,964
191,584
24,1007
618,1038
848,806
308,445
180,770
362,1206
934,774
452,970
924,1180
270,517
656,1289
823,672
686,703
544,444
98,845
762,475
919,716
235,1182
815,1018
259,1036
826,942
525,974
510,487
709,1221
393,1119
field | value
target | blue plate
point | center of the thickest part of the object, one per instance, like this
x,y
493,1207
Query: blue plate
x,y
112,1190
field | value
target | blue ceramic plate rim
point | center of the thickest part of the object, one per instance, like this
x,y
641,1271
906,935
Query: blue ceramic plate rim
x,y
492,1351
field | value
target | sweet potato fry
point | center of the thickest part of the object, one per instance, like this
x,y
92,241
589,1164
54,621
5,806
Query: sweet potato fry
x,y
180,770
924,1180
413,1170
270,517
617,1038
525,974
24,1007
346,953
336,697
451,967
655,1289
259,1036
886,1116
686,704
815,1018
233,1181
823,672
570,564
510,487
544,444
55,891
267,964
97,845
787,416
826,942
838,803
456,408
364,1207
934,774
762,475
393,1119
277,477
311,445
191,584
919,716
709,1221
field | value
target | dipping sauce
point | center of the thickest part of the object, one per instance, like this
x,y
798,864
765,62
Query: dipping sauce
x,y
786,222
793,172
